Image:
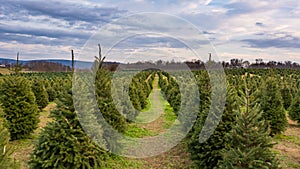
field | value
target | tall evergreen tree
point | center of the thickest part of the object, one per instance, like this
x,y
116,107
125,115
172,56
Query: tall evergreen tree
x,y
271,104
40,93
115,120
208,154
19,107
50,90
287,96
249,144
294,110
63,143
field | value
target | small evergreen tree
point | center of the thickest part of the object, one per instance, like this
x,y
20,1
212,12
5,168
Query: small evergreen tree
x,y
63,143
50,91
294,110
249,143
40,93
271,104
19,107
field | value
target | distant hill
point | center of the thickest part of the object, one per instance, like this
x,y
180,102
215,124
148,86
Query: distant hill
x,y
78,64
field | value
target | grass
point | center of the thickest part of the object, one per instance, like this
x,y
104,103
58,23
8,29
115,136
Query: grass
x,y
288,146
117,162
170,116
137,132
292,139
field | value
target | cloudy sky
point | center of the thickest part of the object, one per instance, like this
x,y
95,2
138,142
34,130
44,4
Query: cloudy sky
x,y
234,28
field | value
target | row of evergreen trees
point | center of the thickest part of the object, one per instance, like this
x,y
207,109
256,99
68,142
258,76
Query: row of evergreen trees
x,y
242,138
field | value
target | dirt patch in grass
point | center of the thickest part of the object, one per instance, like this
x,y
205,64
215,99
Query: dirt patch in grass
x,y
176,158
4,71
288,146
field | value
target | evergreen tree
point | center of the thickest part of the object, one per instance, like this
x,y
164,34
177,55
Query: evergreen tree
x,y
294,110
5,150
40,93
208,154
109,112
271,104
19,107
249,144
63,143
50,91
286,96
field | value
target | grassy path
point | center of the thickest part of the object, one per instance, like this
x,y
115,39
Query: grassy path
x,y
288,146
157,117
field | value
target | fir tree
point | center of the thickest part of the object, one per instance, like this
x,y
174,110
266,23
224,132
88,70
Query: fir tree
x,y
286,96
294,110
40,93
50,91
249,144
208,154
115,120
271,104
19,107
63,143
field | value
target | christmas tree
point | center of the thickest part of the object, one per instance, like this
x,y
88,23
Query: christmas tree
x,y
270,99
249,143
19,107
207,154
294,110
63,143
40,93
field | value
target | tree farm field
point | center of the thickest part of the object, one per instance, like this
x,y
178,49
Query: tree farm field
x,y
57,139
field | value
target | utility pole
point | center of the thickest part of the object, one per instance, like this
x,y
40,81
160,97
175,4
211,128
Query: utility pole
x,y
209,58
72,60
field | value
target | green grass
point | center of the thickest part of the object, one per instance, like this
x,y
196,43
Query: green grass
x,y
136,132
117,162
293,139
170,116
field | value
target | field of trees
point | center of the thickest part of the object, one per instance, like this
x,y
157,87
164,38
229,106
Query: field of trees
x,y
259,128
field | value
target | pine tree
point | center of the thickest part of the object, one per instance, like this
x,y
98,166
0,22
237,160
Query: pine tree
x,y
50,91
271,104
19,107
208,154
115,120
286,96
63,143
249,144
40,93
5,150
294,110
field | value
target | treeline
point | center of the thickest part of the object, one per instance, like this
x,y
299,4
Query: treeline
x,y
232,64
44,66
